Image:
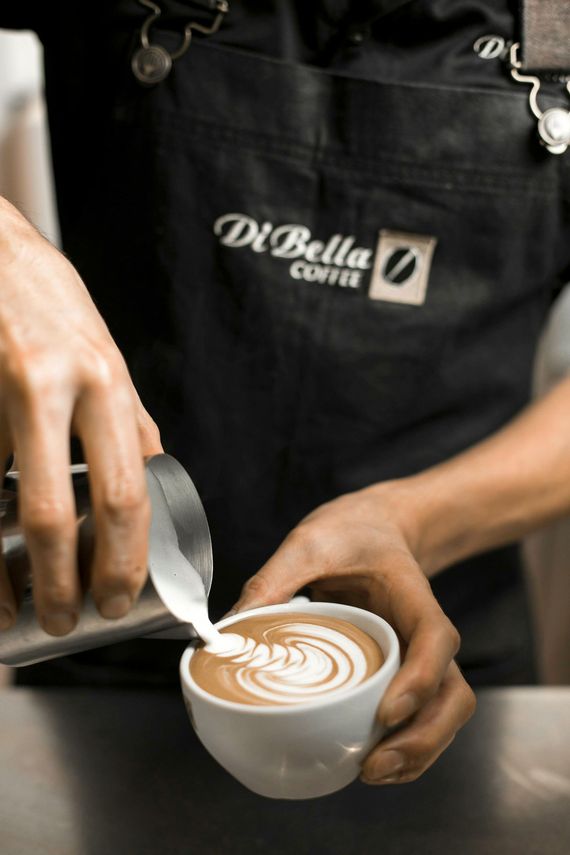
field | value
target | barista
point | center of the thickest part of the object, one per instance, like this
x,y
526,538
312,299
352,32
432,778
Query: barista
x,y
351,431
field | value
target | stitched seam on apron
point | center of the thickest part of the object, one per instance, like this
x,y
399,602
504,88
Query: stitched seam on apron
x,y
384,167
386,172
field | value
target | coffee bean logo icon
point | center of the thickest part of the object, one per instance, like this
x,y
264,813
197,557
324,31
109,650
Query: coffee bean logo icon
x,y
400,265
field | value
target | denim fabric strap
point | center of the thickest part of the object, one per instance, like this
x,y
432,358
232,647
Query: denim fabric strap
x,y
545,38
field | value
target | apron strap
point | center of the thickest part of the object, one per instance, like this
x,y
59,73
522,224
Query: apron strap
x,y
545,37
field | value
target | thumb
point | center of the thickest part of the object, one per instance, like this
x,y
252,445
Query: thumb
x,y
281,577
261,590
149,434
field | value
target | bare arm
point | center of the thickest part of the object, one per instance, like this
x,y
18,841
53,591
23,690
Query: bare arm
x,y
494,493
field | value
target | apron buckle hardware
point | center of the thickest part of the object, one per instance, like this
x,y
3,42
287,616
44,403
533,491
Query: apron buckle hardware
x,y
554,122
152,63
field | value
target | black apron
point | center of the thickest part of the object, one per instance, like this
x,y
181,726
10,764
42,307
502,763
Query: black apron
x,y
228,231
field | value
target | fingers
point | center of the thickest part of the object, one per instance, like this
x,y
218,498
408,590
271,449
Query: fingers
x,y
404,756
46,505
59,368
105,419
7,598
431,639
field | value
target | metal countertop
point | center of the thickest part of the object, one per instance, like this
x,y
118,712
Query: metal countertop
x,y
106,772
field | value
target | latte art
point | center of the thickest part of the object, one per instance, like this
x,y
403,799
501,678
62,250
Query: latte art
x,y
285,659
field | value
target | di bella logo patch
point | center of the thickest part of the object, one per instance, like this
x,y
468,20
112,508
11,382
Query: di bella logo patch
x,y
401,268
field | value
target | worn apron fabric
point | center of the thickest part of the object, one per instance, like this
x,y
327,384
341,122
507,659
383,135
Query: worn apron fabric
x,y
274,376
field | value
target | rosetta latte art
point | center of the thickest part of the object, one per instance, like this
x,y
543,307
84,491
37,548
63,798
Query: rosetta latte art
x,y
285,659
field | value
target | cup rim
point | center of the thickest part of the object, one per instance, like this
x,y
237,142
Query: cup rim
x,y
391,661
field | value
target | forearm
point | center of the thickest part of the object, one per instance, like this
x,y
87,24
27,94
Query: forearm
x,y
494,493
36,281
14,230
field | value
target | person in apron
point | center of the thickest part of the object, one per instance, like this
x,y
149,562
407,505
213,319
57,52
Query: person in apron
x,y
325,242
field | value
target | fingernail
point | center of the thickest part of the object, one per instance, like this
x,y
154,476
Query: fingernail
x,y
377,781
231,613
400,709
6,618
240,607
116,606
248,607
59,623
385,768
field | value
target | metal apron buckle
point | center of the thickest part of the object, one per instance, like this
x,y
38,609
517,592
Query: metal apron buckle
x,y
553,123
151,63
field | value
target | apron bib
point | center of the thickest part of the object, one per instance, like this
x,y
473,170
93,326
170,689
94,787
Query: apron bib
x,y
262,256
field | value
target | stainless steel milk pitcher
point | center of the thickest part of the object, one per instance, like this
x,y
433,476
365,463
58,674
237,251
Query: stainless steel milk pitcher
x,y
179,564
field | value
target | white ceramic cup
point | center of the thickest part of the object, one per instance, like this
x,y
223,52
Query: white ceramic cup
x,y
296,751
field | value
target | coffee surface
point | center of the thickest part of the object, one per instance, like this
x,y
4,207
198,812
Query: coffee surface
x,y
285,659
